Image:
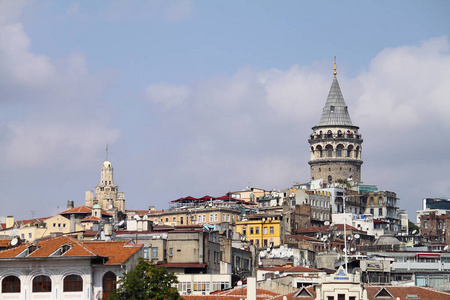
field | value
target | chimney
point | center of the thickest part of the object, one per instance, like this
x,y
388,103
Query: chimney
x,y
251,288
9,221
70,204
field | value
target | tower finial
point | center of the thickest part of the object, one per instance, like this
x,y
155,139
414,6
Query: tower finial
x,y
334,73
106,152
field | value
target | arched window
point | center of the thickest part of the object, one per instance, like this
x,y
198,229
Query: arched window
x,y
349,151
42,284
330,178
356,152
329,150
73,283
109,284
339,150
329,134
319,151
11,284
371,202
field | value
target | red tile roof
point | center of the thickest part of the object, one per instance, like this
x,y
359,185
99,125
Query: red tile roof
x,y
82,210
116,252
91,219
402,292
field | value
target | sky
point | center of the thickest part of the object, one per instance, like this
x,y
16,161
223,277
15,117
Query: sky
x,y
206,97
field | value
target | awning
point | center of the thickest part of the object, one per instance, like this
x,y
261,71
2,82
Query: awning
x,y
428,255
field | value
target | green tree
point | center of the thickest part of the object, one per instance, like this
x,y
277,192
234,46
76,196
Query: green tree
x,y
412,227
145,282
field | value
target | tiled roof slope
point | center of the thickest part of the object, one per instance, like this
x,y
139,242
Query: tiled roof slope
x,y
407,292
116,252
335,111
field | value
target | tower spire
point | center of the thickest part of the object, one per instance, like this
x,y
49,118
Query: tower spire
x,y
335,73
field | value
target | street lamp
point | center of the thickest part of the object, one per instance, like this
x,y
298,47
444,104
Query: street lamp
x,y
344,197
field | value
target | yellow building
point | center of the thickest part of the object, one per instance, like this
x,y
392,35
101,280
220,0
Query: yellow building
x,y
261,230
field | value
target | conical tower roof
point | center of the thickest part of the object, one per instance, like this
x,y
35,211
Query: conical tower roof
x,y
335,111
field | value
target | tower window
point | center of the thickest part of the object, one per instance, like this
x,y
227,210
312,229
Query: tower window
x,y
330,152
330,178
320,170
329,169
332,108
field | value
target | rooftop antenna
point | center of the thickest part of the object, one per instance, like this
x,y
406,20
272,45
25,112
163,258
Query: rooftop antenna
x,y
335,73
106,151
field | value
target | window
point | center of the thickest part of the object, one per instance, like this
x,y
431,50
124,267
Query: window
x,y
341,296
329,152
371,211
108,284
167,219
73,283
216,217
199,219
174,219
251,230
330,298
265,230
425,225
228,217
11,284
146,252
170,251
223,217
204,218
42,284
256,230
181,220
330,178
29,235
265,243
155,253
211,217
380,211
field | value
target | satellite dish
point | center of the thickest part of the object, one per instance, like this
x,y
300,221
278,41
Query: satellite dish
x,y
14,242
121,223
14,232
414,231
352,249
110,206
136,217
357,236
145,217
239,283
326,223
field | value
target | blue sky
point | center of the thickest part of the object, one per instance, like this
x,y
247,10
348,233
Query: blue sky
x,y
206,97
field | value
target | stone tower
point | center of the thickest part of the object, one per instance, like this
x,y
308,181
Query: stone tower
x,y
107,193
335,144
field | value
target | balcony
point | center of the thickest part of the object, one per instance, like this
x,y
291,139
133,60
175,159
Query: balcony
x,y
327,136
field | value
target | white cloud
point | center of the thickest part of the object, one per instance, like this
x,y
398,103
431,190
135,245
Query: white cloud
x,y
168,95
44,119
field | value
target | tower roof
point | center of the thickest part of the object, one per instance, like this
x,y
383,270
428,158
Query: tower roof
x,y
335,111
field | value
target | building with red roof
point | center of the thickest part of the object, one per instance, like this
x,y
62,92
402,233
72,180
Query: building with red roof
x,y
65,268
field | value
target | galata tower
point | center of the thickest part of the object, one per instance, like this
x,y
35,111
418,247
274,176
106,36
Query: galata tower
x,y
335,143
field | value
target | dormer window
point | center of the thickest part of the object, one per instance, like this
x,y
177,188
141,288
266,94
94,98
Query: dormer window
x,y
63,249
31,249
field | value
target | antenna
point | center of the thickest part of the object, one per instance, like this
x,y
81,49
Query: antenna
x,y
106,151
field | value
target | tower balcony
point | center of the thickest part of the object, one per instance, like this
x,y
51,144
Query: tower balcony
x,y
336,136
